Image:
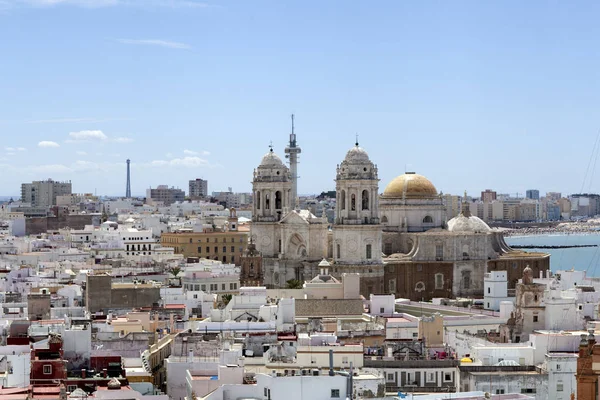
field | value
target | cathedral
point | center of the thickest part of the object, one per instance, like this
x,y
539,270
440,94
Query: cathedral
x,y
400,241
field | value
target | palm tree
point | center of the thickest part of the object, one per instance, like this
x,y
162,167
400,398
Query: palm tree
x,y
294,284
175,271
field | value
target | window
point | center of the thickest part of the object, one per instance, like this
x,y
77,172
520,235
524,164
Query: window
x,y
216,249
335,393
365,199
447,377
232,259
47,369
489,290
430,377
535,318
527,390
439,281
338,250
345,360
558,367
439,252
392,286
203,288
390,377
559,386
199,249
388,248
207,249
368,252
427,219
499,391
415,334
222,286
353,202
233,249
258,208
231,286
381,310
191,240
195,296
343,199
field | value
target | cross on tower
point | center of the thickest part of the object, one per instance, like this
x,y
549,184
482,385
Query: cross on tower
x,y
271,146
357,139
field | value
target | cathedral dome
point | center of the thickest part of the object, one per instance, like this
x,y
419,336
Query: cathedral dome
x,y
271,160
470,223
410,185
357,155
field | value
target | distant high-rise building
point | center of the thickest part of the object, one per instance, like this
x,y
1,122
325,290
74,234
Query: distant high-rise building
x,y
43,193
533,194
553,196
128,185
165,195
488,195
198,188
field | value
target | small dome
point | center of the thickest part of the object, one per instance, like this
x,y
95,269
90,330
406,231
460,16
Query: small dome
x,y
271,160
357,155
410,185
472,223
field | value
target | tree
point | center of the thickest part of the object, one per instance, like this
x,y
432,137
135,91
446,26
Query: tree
x,y
226,298
294,284
175,271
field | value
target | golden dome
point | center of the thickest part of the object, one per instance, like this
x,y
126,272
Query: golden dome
x,y
410,185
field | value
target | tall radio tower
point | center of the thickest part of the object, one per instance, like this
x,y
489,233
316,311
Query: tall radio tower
x,y
128,188
291,152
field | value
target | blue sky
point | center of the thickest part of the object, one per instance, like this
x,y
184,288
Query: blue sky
x,y
473,95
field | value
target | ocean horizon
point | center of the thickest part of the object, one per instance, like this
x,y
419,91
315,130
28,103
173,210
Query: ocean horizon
x,y
578,258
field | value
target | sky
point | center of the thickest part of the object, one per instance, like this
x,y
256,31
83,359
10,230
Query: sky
x,y
473,95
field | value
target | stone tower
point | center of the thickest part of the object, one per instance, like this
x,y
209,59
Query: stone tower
x,y
356,229
251,273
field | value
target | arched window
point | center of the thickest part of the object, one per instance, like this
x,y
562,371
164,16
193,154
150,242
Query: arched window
x,y
368,250
258,200
343,200
419,287
353,202
338,250
428,219
267,202
365,199
384,220
278,200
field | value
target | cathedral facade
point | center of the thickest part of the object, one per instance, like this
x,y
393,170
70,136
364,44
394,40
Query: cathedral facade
x,y
400,241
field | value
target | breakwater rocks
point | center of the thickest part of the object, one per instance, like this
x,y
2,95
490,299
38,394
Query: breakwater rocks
x,y
542,246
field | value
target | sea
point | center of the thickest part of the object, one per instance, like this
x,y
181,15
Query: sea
x,y
579,258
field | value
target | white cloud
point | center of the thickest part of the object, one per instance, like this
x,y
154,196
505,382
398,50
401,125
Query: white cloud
x,y
186,162
81,153
87,135
156,42
123,140
206,153
10,154
21,149
48,143
50,169
190,152
9,149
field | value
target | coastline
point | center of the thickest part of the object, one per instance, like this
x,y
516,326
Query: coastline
x,y
563,229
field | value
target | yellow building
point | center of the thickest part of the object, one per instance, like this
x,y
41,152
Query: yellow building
x,y
227,247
